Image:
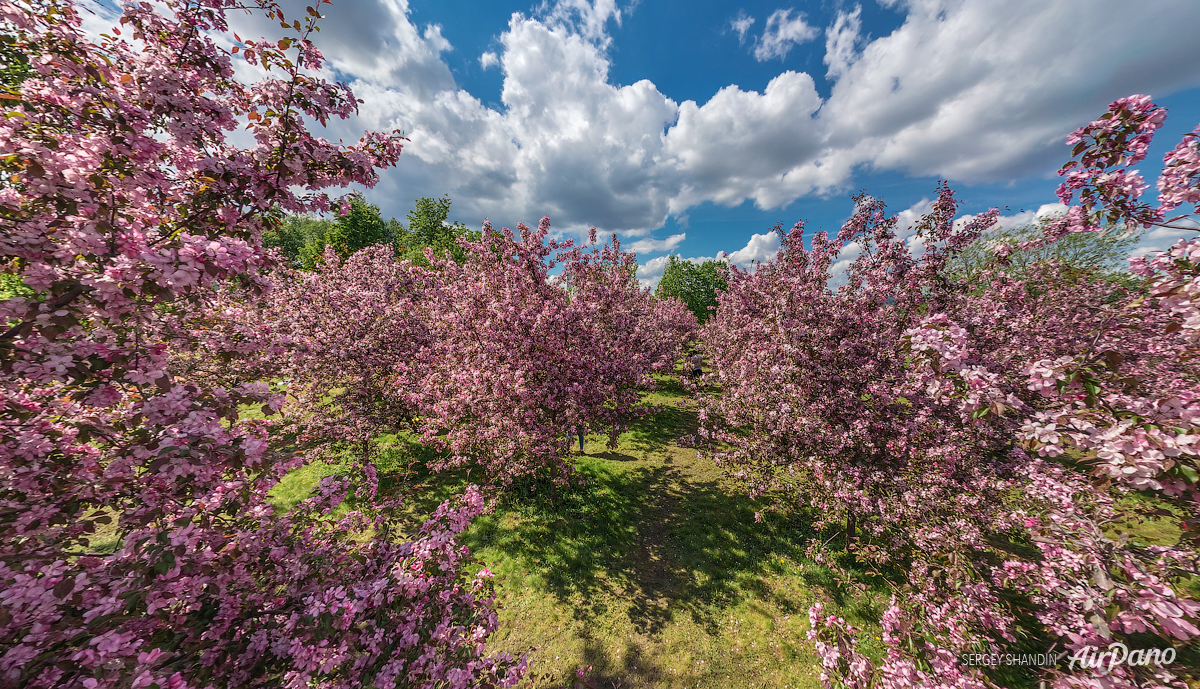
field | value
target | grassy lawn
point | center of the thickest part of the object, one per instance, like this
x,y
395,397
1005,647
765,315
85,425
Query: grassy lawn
x,y
654,573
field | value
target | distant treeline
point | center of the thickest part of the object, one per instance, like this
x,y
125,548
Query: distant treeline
x,y
1092,255
303,238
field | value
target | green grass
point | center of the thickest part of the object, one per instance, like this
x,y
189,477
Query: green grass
x,y
655,576
1147,520
654,572
297,485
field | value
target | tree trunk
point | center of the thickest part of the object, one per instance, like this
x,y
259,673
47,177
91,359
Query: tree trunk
x,y
851,527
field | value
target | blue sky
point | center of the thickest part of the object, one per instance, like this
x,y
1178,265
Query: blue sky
x,y
690,127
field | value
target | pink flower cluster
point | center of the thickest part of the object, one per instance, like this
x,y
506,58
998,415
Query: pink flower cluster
x,y
1179,182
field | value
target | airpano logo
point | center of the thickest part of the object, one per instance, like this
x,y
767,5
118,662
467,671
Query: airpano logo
x,y
1092,658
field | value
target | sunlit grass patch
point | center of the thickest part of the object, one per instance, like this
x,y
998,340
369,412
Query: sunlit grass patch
x,y
654,571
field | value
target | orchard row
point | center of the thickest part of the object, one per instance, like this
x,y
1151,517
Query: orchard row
x,y
981,434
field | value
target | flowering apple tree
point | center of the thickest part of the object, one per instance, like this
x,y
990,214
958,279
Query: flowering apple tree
x,y
520,361
125,205
1109,392
631,332
816,411
357,338
987,438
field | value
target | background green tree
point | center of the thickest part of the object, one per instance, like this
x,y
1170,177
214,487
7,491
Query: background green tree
x,y
14,65
360,227
294,233
696,284
303,238
427,227
1086,254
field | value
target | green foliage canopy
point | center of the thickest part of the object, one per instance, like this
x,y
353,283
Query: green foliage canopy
x,y
303,238
427,227
695,284
1086,254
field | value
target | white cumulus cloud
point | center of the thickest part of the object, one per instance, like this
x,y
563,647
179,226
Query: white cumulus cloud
x,y
645,246
781,34
745,144
967,90
741,24
841,42
1162,238
589,18
760,248
650,273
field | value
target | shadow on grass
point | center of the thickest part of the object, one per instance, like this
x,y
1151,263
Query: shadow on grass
x,y
613,456
652,536
647,539
657,539
653,433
